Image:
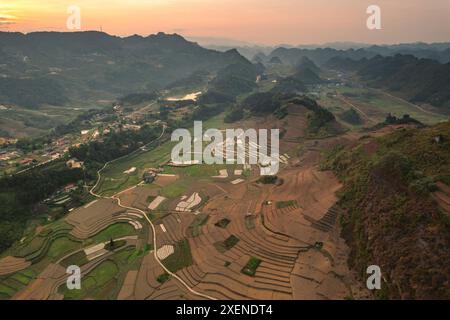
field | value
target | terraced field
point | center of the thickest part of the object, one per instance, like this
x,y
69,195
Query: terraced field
x,y
272,251
241,241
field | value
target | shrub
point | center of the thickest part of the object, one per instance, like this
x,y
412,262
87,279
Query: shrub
x,y
223,223
268,179
251,266
163,277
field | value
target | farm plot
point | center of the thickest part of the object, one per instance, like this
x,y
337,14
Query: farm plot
x,y
89,220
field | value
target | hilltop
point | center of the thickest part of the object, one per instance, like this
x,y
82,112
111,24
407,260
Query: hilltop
x,y
55,68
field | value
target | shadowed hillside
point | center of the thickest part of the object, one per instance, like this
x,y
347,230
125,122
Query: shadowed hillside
x,y
52,68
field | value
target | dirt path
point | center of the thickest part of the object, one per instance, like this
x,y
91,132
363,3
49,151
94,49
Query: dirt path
x,y
355,107
143,109
407,102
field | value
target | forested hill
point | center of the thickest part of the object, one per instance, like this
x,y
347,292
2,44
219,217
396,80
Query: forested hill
x,y
436,51
52,67
417,80
395,214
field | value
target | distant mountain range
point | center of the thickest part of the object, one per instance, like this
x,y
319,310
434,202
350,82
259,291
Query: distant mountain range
x,y
56,68
437,51
53,68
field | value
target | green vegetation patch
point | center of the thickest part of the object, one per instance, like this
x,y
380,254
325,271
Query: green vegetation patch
x,y
11,284
181,258
351,116
113,177
250,222
22,278
97,279
105,281
54,244
286,204
318,245
195,227
223,223
227,244
136,254
195,171
7,291
78,259
104,272
115,244
115,231
268,180
176,189
62,246
251,266
162,278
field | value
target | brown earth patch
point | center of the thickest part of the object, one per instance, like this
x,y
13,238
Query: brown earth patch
x,y
10,265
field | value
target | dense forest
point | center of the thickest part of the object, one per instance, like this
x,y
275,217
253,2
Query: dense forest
x,y
351,116
32,92
136,98
20,194
115,145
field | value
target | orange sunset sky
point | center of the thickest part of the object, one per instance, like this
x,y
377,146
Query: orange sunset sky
x,y
263,22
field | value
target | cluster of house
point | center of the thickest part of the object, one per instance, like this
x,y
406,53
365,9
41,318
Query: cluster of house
x,y
133,127
4,142
28,161
70,187
74,164
7,156
57,149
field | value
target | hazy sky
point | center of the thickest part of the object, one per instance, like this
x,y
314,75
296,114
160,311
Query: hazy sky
x,y
256,21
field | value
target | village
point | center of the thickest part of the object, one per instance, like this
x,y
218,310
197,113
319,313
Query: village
x,y
16,159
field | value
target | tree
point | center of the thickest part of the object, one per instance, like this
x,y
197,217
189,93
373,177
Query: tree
x,y
111,244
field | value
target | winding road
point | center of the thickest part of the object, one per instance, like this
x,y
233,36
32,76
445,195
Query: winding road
x,y
115,197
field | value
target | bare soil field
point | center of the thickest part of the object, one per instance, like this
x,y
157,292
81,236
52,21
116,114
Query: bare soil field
x,y
42,287
89,220
284,240
165,180
138,197
10,265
